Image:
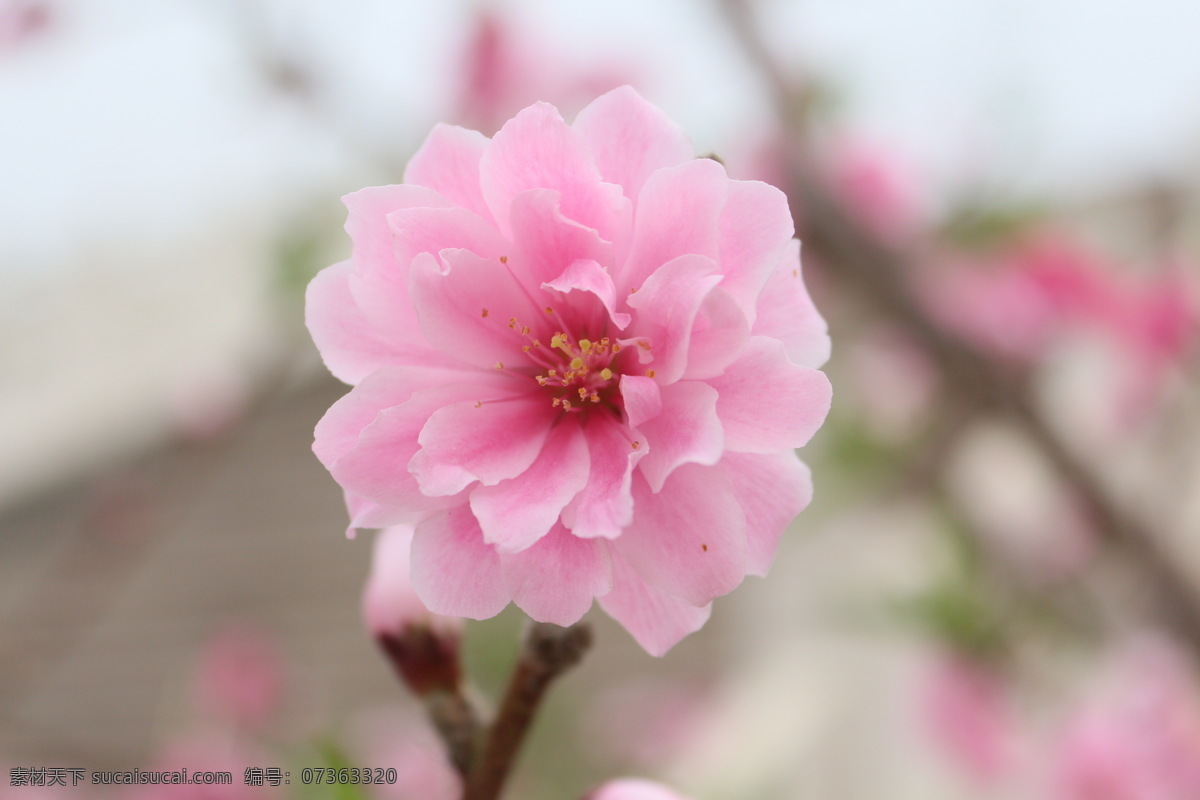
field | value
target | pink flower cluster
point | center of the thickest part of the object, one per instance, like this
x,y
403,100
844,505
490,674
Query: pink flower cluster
x,y
582,361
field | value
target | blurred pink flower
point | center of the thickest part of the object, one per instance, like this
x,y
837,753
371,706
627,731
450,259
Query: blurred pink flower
x,y
633,789
966,707
1139,742
583,359
505,69
210,753
395,738
241,677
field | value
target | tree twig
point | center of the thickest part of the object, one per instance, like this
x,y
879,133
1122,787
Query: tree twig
x,y
547,652
876,273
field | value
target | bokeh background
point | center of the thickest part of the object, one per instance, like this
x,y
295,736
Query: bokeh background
x,y
987,598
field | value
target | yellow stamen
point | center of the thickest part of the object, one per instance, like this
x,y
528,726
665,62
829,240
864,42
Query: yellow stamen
x,y
576,363
483,313
503,259
606,373
649,373
636,445
499,365
585,345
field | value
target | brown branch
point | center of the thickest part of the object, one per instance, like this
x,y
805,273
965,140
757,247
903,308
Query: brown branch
x,y
548,651
876,274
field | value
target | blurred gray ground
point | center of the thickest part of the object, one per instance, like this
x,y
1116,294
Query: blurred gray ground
x,y
109,589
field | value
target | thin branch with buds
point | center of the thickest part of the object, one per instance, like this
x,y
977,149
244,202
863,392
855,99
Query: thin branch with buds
x,y
874,273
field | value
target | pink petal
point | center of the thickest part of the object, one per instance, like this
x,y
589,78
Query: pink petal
x,y
630,138
678,213
536,150
376,469
556,579
771,489
689,540
719,335
686,432
767,403
588,276
657,621
480,441
448,162
367,514
465,305
547,240
667,305
517,512
454,572
338,431
367,222
350,347
432,230
787,313
642,398
605,506
756,228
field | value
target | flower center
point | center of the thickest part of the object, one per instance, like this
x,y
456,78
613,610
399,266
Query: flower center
x,y
583,374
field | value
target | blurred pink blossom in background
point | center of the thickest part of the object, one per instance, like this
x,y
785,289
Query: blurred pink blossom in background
x,y
633,789
611,359
241,677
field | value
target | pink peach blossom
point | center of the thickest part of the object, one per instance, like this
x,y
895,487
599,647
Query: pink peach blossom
x,y
1139,741
968,712
582,361
633,789
241,677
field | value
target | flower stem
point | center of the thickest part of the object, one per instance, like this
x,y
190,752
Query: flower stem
x,y
547,652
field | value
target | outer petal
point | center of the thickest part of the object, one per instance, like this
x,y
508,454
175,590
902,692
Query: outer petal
x,y
771,489
448,162
453,571
756,227
518,511
432,230
678,213
766,402
589,277
480,441
338,431
367,223
605,506
536,150
367,514
376,469
464,304
350,347
547,241
556,579
657,621
689,540
667,305
686,432
630,138
786,312
719,335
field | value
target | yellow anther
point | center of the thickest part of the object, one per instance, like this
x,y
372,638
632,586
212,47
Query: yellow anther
x,y
549,310
551,372
537,342
606,373
524,348
576,363
642,343
557,402
616,348
649,373
556,340
583,393
566,404
499,365
483,313
503,259
524,330
636,445
479,404
585,345
595,398
541,379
